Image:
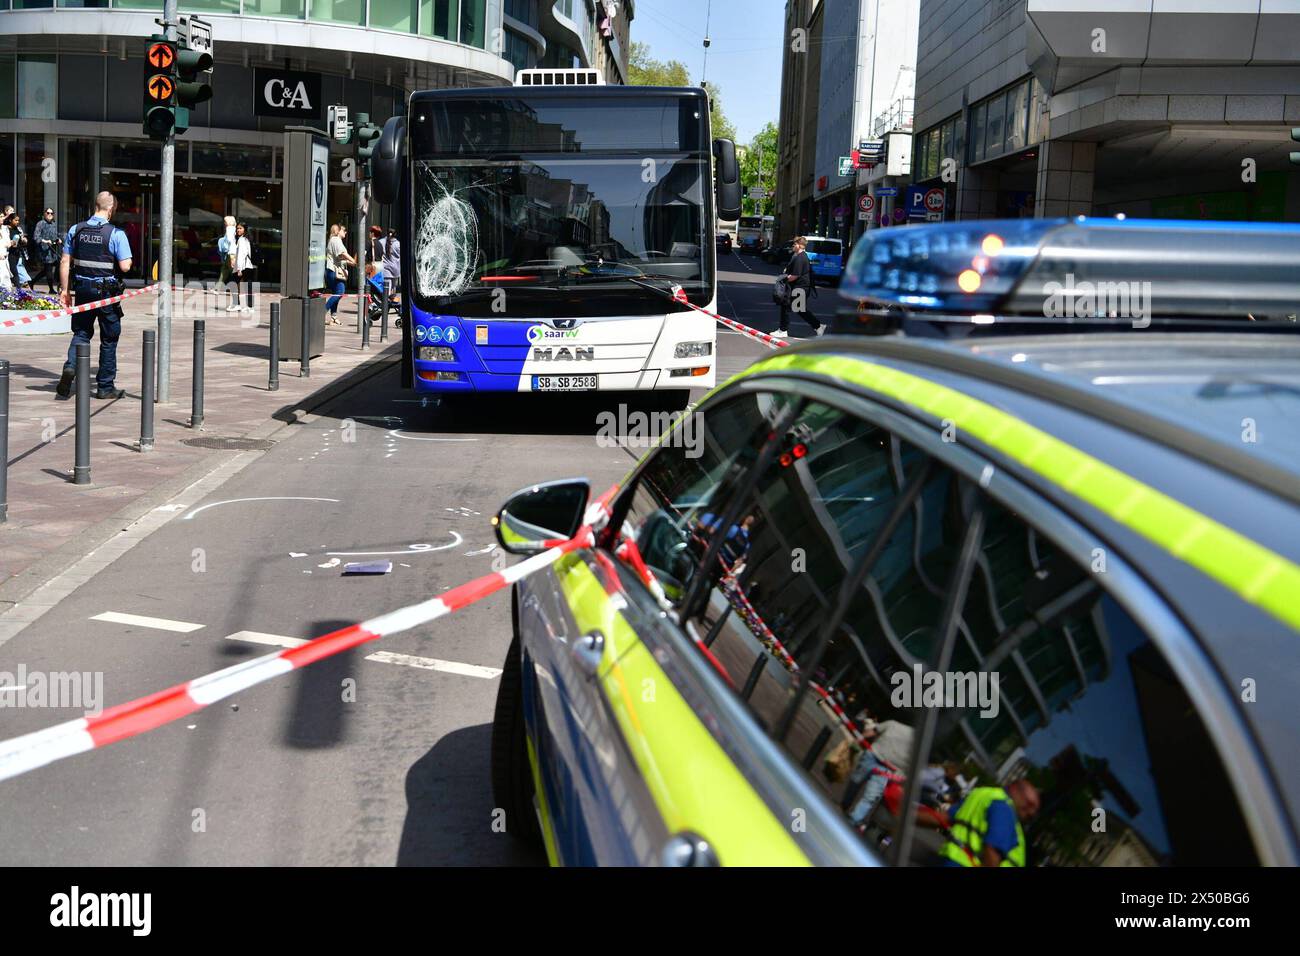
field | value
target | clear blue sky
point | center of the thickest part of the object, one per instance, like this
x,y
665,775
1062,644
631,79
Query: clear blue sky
x,y
744,57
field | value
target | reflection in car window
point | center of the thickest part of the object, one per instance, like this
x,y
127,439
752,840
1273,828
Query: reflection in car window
x,y
1074,743
675,499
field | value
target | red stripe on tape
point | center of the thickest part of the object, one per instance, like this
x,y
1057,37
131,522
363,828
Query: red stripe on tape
x,y
327,645
472,591
127,720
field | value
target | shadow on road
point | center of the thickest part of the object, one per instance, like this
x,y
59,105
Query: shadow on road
x,y
449,808
316,718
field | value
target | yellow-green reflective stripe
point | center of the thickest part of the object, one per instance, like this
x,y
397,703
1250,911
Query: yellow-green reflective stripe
x,y
1260,576
548,831
693,782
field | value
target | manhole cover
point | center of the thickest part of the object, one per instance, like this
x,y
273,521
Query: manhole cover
x,y
229,444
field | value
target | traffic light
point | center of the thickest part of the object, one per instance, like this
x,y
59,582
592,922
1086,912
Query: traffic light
x,y
367,138
192,88
1295,137
159,87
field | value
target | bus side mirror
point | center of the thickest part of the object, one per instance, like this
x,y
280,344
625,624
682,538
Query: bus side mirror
x,y
728,179
387,161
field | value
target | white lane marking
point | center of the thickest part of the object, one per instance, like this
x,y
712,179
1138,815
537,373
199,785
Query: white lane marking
x,y
490,547
234,501
397,433
271,640
158,623
382,657
433,664
411,549
331,563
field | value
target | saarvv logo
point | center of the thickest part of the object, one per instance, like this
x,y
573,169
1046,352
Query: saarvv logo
x,y
103,909
539,333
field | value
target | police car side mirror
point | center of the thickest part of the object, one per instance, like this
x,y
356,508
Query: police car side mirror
x,y
387,161
541,516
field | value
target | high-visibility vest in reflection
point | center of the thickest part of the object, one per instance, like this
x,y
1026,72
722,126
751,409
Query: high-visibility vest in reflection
x,y
971,825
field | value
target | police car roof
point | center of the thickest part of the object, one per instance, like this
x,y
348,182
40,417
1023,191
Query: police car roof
x,y
1061,271
1188,391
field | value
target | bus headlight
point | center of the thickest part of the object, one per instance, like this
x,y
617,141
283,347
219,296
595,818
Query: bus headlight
x,y
436,354
692,349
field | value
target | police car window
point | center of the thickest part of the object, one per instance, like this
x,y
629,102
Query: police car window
x,y
827,619
677,502
1077,744
834,487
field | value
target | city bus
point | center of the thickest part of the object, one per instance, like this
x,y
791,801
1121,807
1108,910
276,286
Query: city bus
x,y
754,233
557,236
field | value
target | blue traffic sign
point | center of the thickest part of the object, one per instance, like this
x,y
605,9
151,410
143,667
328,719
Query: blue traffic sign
x,y
886,190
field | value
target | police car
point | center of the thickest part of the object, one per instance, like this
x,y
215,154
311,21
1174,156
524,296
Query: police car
x,y
957,596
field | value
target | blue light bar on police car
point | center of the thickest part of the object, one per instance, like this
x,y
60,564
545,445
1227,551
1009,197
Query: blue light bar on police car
x,y
1078,270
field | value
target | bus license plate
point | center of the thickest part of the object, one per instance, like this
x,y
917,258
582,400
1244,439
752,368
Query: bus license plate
x,y
564,383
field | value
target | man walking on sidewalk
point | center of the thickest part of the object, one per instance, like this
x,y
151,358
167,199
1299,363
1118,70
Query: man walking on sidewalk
x,y
799,277
96,254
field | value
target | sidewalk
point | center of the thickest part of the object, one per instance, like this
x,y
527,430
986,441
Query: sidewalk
x,y
52,522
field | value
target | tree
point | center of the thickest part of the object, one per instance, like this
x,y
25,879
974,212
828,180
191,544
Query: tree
x,y
764,145
644,70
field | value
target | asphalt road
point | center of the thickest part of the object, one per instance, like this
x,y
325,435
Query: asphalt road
x,y
354,760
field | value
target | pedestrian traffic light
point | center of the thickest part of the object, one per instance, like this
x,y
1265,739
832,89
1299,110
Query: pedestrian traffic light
x,y
367,138
1295,137
159,87
192,87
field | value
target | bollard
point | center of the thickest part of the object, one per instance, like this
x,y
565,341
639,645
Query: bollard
x,y
304,368
4,440
383,323
365,323
81,462
147,391
273,380
196,397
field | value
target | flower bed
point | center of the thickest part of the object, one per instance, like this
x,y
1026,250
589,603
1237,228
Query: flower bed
x,y
25,300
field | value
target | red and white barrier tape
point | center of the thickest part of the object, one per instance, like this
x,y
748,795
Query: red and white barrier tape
x,y
73,310
21,754
678,294
843,718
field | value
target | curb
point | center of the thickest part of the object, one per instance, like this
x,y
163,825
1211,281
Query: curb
x,y
22,584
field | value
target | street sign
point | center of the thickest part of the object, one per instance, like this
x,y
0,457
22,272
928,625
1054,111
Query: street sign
x,y
200,36
900,215
886,190
846,165
934,217
934,200
863,215
757,192
338,123
866,203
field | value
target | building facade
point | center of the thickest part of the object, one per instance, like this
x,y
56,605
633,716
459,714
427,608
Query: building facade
x,y
71,81
847,76
1075,107
569,34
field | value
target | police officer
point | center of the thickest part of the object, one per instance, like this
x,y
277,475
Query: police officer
x,y
97,254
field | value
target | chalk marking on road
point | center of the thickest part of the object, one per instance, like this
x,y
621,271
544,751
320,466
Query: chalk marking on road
x,y
490,547
420,548
235,501
139,620
397,432
382,657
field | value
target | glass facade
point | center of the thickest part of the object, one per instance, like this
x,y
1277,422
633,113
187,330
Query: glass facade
x,y
460,21
1006,122
36,85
